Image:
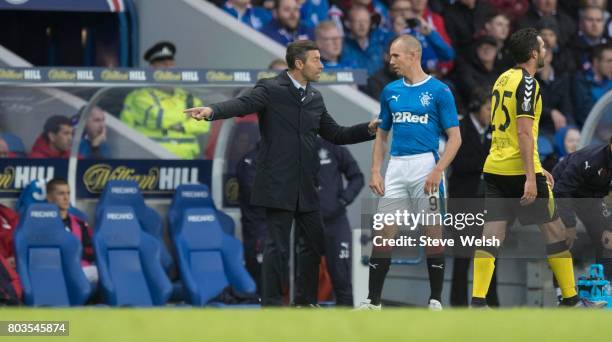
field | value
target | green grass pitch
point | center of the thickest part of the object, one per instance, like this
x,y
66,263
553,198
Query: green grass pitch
x,y
415,325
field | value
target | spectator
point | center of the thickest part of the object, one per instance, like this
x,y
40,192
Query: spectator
x,y
313,12
566,141
478,70
55,140
591,34
93,144
557,109
514,9
58,193
329,41
463,19
364,45
422,10
254,16
562,60
5,152
378,81
158,112
8,222
543,8
434,22
591,85
286,27
498,26
379,14
278,64
466,189
401,9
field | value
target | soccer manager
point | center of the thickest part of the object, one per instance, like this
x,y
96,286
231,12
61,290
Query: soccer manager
x,y
291,114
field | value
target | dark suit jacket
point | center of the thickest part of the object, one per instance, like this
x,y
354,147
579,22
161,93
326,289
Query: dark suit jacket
x,y
465,180
288,161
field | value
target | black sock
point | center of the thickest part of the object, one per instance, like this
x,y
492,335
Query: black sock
x,y
378,272
435,268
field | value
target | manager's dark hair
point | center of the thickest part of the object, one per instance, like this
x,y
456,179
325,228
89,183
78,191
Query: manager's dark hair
x,y
522,43
297,50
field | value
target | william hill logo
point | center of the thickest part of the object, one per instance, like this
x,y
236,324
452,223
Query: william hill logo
x,y
165,75
327,77
266,74
18,177
7,74
155,179
61,75
97,175
114,75
219,76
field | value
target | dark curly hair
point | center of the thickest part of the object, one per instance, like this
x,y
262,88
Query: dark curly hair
x,y
522,43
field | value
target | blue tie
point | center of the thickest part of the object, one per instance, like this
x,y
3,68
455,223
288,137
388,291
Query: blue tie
x,y
302,93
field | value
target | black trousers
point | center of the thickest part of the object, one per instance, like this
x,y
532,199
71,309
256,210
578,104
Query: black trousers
x,y
338,241
310,247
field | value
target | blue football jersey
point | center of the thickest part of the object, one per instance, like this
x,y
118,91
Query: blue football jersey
x,y
419,114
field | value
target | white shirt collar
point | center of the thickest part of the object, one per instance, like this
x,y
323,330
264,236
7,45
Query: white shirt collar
x,y
481,129
416,84
296,84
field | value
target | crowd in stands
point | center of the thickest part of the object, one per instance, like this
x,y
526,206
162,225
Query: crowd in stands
x,y
463,43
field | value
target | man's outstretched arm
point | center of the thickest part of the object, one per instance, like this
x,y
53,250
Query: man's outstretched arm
x,y
340,135
253,102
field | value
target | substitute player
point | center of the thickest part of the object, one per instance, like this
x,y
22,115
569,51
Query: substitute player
x,y
420,109
516,184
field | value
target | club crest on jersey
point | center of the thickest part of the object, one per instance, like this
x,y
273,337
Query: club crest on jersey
x,y
526,106
324,156
426,98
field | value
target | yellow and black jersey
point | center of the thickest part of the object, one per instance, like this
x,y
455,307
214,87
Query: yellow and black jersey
x,y
515,94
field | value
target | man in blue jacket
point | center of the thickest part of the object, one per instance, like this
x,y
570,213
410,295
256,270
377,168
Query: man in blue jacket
x,y
286,28
364,44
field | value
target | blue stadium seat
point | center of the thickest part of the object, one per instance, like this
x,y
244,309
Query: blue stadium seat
x,y
127,193
545,148
195,196
15,144
49,259
209,259
36,192
128,261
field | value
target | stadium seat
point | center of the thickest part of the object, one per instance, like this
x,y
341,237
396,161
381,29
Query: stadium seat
x,y
128,261
195,196
49,259
545,148
209,259
15,144
127,193
36,192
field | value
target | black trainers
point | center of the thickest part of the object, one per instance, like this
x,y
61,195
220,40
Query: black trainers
x,y
478,303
